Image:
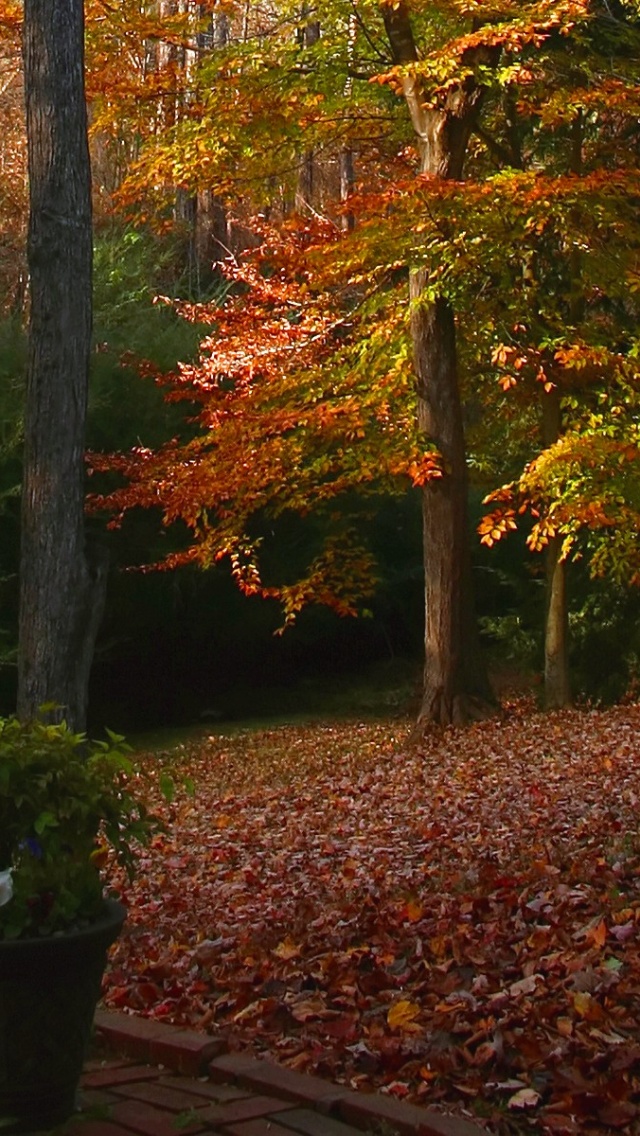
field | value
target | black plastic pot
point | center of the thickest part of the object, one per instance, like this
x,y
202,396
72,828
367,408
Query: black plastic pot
x,y
49,988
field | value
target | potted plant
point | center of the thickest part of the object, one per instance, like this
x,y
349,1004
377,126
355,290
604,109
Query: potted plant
x,y
66,805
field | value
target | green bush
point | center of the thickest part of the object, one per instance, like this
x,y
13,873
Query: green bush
x,y
63,804
605,639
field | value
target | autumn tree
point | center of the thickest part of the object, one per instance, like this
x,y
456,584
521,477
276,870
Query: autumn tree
x,y
573,307
454,670
61,586
305,385
145,88
455,682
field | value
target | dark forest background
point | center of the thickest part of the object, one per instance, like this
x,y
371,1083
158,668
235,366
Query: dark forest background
x,y
186,646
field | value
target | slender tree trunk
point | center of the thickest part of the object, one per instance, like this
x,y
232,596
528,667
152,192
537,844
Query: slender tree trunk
x,y
347,182
347,156
456,687
61,592
557,675
202,215
557,688
308,35
211,221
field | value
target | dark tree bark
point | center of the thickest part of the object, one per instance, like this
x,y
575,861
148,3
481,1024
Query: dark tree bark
x,y
557,685
61,592
557,674
456,687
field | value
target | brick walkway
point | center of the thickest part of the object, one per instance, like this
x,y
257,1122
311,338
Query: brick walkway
x,y
157,1080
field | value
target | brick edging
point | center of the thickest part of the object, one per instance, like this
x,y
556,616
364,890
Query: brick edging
x,y
155,1043
196,1054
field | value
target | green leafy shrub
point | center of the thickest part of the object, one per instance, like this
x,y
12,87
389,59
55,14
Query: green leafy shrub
x,y
605,639
64,804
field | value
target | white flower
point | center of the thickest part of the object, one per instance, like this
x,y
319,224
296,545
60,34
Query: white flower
x,y
6,887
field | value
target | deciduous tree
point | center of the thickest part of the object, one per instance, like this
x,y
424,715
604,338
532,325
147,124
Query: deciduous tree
x,y
505,231
61,588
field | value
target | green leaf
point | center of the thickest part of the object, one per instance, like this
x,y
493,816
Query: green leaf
x,y
44,821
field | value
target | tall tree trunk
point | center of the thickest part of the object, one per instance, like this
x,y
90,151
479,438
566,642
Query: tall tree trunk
x,y
456,687
347,155
557,689
61,593
212,233
557,675
306,190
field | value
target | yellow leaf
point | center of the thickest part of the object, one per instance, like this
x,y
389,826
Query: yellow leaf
x,y
402,1015
287,949
100,855
438,946
587,1007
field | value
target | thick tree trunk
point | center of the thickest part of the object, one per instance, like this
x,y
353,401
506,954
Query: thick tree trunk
x,y
456,687
60,592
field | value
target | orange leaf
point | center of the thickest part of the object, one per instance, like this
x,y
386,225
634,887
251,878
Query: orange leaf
x,y
598,934
413,911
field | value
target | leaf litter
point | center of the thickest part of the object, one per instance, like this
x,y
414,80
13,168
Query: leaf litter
x,y
456,925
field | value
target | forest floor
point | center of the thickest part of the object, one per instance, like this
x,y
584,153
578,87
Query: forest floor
x,y
456,924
